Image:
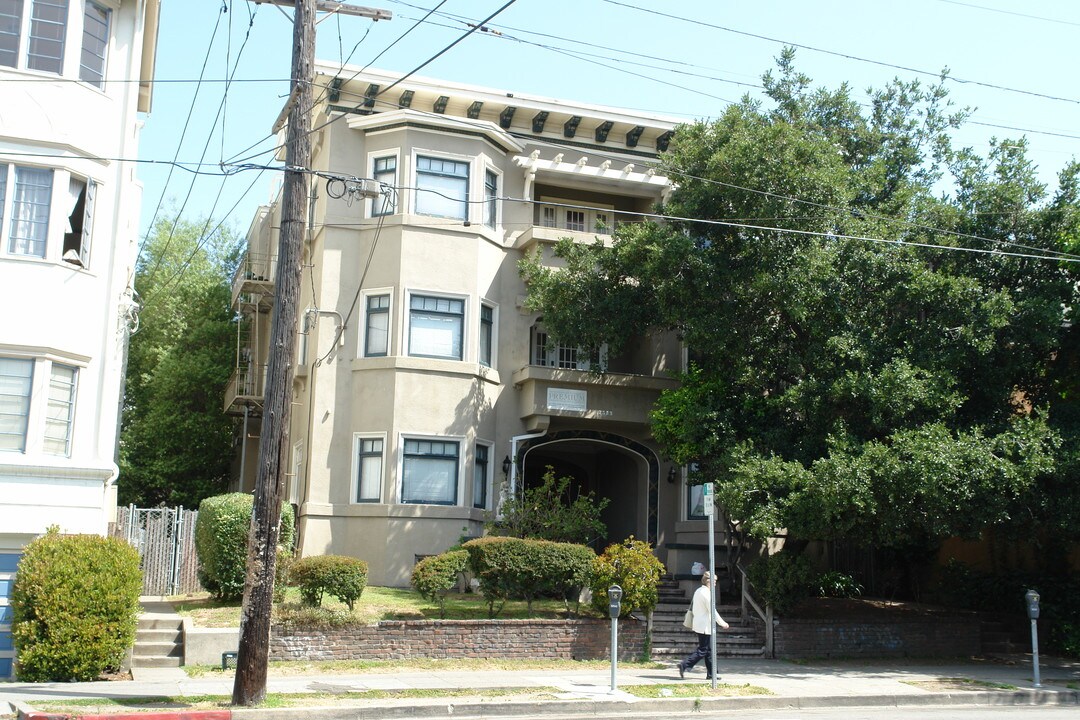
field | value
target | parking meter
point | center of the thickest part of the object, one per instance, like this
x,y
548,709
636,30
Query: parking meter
x,y
1031,597
614,595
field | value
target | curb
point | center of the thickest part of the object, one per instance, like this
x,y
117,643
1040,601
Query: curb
x,y
592,708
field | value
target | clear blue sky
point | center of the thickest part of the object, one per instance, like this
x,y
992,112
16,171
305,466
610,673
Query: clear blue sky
x,y
579,50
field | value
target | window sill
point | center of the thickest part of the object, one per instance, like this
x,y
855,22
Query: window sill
x,y
444,367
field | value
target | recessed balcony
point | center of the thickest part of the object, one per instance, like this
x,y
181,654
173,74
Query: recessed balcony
x,y
608,397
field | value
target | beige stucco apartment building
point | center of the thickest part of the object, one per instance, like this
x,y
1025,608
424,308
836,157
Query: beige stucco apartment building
x,y
423,387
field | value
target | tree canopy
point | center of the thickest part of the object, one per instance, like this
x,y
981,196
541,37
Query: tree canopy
x,y
175,440
880,348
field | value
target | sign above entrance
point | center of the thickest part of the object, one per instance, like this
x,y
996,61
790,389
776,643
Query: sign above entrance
x,y
565,399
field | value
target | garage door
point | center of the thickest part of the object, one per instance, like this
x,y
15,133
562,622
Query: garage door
x,y
8,561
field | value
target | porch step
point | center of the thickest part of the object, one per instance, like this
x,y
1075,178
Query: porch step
x,y
744,637
159,639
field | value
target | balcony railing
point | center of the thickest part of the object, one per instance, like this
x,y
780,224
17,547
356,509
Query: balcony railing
x,y
245,387
253,280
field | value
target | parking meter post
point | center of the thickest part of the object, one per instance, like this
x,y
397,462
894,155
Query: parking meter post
x,y
1031,599
615,594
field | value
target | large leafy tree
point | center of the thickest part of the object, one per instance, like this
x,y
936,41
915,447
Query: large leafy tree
x,y
887,367
175,441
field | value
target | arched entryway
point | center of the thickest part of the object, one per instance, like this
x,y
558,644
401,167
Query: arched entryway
x,y
611,466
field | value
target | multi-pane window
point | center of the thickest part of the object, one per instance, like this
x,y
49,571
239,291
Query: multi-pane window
x,y
429,472
369,452
377,330
24,211
48,27
33,36
695,498
385,171
576,219
435,326
95,41
16,380
487,331
491,194
548,353
60,412
442,188
480,477
81,195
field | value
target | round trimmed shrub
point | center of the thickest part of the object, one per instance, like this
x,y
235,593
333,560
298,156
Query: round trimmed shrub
x,y
436,575
632,566
75,606
221,539
339,576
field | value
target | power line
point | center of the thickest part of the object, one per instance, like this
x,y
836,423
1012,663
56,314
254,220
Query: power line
x,y
846,56
1010,12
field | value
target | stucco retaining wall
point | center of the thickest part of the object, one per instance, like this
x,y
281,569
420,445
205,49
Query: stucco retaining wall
x,y
393,640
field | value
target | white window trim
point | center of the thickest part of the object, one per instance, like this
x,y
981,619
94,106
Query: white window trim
x,y
487,167
34,443
489,485
494,332
298,466
414,182
459,492
373,203
590,208
59,211
73,38
361,350
466,335
354,484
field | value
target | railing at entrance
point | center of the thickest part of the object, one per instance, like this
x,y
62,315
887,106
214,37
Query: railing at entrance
x,y
766,615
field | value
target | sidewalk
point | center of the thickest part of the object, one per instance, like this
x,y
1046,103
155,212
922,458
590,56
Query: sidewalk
x,y
878,683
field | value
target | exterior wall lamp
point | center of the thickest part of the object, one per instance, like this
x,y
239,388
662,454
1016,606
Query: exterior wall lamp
x,y
506,465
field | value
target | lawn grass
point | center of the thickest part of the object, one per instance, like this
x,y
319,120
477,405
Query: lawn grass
x,y
377,603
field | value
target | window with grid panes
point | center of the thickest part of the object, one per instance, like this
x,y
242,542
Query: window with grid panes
x,y
429,470
369,469
442,188
377,330
480,477
385,171
436,326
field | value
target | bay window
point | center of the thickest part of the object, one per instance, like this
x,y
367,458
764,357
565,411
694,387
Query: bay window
x,y
429,472
436,326
442,187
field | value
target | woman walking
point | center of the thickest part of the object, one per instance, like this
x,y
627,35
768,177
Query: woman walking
x,y
703,626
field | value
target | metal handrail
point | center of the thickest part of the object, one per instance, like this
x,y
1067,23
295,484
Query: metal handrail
x,y
766,615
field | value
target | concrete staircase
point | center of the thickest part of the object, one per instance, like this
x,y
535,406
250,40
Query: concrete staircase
x,y
159,639
672,641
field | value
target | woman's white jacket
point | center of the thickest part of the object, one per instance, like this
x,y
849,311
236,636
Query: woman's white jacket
x,y
700,606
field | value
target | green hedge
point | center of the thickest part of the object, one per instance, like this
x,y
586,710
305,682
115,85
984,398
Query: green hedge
x,y
436,575
782,580
75,605
512,568
632,566
221,537
336,575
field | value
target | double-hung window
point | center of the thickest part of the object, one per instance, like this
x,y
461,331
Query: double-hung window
x,y
61,410
24,211
16,381
429,472
95,44
369,462
442,187
480,476
491,195
695,497
385,171
377,328
37,412
436,326
487,333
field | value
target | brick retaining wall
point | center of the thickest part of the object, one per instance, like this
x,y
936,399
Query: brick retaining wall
x,y
928,637
394,640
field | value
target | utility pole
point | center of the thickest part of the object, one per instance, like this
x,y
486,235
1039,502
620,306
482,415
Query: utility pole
x,y
249,686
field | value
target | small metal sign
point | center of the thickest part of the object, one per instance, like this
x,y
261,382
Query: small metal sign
x,y
707,498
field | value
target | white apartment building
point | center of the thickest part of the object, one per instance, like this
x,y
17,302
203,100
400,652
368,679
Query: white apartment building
x,y
73,75
422,385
